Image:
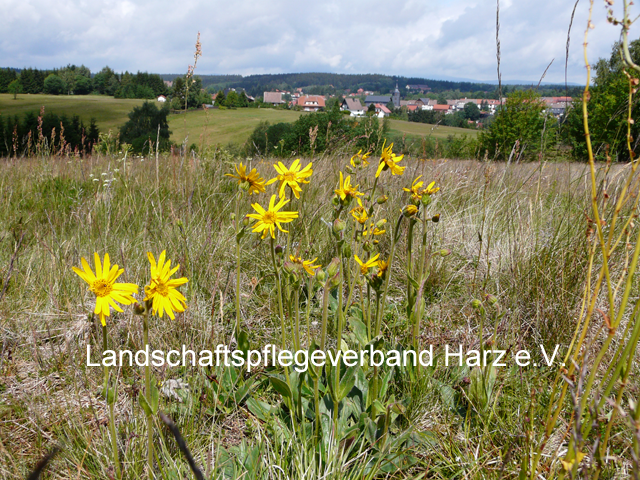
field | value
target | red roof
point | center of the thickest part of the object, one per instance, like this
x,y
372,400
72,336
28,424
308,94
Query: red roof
x,y
443,108
412,108
311,101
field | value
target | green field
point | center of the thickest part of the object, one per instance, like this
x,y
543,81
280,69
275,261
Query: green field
x,y
235,126
224,126
422,129
109,112
218,126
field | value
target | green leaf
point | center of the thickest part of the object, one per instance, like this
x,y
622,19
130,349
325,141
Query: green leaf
x,y
243,342
281,387
347,382
359,330
154,398
142,400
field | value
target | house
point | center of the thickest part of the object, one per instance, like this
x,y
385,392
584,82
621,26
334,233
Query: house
x,y
274,98
162,98
382,110
354,106
420,88
412,108
168,83
373,99
311,103
441,108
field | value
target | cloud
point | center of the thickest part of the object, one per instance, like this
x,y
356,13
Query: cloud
x,y
430,38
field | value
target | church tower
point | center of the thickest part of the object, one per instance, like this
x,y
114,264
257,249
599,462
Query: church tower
x,y
395,98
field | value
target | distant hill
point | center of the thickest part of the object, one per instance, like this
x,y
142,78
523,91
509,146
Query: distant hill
x,y
330,83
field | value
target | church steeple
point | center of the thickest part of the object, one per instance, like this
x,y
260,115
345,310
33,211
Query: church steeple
x,y
395,98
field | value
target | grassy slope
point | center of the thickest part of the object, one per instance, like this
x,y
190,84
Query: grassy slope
x,y
109,112
421,129
224,126
532,259
219,126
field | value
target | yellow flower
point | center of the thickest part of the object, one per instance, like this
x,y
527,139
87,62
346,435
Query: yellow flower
x,y
431,189
373,230
256,184
362,159
162,290
382,268
346,189
104,285
292,177
359,213
308,265
269,219
365,266
409,210
389,160
416,193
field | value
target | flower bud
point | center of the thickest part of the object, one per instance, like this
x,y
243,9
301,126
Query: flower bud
x,y
435,218
279,250
367,247
321,276
232,216
339,225
382,199
477,304
348,169
289,267
381,223
491,299
332,268
445,252
335,200
409,211
138,309
245,221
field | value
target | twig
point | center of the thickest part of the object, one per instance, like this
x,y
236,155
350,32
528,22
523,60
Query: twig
x,y
182,445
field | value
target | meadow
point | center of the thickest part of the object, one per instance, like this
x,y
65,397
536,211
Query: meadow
x,y
201,127
501,257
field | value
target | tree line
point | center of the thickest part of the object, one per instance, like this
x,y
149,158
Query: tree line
x,y
78,80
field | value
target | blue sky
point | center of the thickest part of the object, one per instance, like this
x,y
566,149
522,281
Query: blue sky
x,y
422,38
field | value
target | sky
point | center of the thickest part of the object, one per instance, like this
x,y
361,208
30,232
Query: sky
x,y
439,39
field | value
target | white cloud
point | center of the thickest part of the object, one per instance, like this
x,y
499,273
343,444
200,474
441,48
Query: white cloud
x,y
430,38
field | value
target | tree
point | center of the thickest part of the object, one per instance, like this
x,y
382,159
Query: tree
x,y
220,99
471,111
142,128
83,85
15,87
521,119
53,85
607,108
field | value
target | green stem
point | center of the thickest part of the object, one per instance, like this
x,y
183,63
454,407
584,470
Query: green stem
x,y
147,392
423,253
111,402
325,313
387,277
237,222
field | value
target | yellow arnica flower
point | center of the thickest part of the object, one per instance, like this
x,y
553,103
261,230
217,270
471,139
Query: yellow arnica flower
x,y
359,213
374,231
358,158
415,190
252,179
431,189
382,268
346,189
409,210
162,290
365,266
103,284
292,177
269,219
308,265
389,161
